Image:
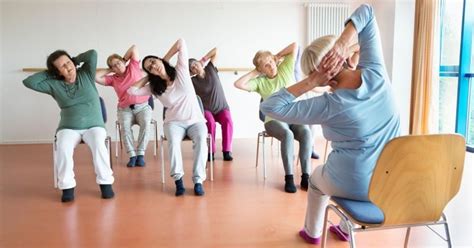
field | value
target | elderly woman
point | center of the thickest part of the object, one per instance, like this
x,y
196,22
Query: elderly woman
x,y
81,118
208,86
173,87
359,117
274,77
130,109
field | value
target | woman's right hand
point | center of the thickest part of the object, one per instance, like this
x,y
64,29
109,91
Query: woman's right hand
x,y
338,53
328,68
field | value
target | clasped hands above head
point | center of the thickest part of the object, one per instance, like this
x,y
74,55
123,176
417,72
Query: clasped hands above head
x,y
331,64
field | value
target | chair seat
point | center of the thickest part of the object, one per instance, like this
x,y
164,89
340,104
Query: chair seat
x,y
186,138
361,211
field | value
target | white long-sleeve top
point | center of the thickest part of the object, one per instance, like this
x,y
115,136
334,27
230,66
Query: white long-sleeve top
x,y
179,99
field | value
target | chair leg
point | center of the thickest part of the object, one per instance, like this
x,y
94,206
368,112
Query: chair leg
x,y
446,229
55,169
346,221
325,228
210,156
407,237
156,138
351,235
117,134
258,150
263,159
297,163
325,151
162,161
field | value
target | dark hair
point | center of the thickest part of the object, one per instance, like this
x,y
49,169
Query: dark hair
x,y
191,61
157,84
50,60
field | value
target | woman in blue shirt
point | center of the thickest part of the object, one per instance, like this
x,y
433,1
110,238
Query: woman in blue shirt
x,y
358,117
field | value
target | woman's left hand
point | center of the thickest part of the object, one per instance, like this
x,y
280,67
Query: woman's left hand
x,y
326,71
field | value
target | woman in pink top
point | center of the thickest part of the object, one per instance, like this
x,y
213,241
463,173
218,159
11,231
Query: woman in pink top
x,y
130,109
184,117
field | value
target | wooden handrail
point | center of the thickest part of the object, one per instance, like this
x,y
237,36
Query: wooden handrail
x,y
223,69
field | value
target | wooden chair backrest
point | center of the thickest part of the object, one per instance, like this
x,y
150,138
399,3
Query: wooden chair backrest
x,y
416,176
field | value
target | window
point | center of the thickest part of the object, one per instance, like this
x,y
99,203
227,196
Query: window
x,y
455,93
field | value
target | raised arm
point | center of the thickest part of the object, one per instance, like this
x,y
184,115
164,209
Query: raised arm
x,y
341,48
283,107
290,49
362,26
177,46
139,88
242,82
211,55
353,58
39,82
318,78
132,53
100,76
140,83
89,59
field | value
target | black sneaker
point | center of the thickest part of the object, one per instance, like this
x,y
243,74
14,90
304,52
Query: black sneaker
x,y
107,191
140,161
198,189
290,186
227,156
304,181
179,187
132,162
68,195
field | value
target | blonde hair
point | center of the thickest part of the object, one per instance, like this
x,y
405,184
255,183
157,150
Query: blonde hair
x,y
259,56
114,56
314,53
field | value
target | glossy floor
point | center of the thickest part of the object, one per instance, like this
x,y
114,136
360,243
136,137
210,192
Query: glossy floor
x,y
240,208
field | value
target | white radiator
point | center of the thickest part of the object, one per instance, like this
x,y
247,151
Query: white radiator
x,y
325,18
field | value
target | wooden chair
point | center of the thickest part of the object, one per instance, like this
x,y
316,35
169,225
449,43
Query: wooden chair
x,y
118,130
415,177
108,144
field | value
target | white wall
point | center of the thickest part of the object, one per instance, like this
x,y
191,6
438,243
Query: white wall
x,y
1,74
396,20
403,59
31,30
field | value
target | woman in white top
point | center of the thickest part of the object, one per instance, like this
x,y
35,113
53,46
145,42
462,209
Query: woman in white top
x,y
174,88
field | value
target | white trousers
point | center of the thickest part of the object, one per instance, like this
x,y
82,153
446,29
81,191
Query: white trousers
x,y
67,140
319,192
197,132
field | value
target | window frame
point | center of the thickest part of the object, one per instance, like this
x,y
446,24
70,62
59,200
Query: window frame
x,y
462,71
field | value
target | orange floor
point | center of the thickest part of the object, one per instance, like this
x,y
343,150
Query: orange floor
x,y
240,208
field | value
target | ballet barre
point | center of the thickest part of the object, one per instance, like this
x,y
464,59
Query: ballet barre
x,y
235,70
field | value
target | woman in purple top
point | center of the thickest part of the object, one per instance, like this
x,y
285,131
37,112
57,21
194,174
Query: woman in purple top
x,y
208,86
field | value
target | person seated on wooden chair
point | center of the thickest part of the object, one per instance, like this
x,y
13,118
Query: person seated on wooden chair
x,y
81,119
274,78
208,86
130,109
359,117
173,87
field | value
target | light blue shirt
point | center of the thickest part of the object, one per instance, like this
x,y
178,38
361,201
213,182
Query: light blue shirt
x,y
358,122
